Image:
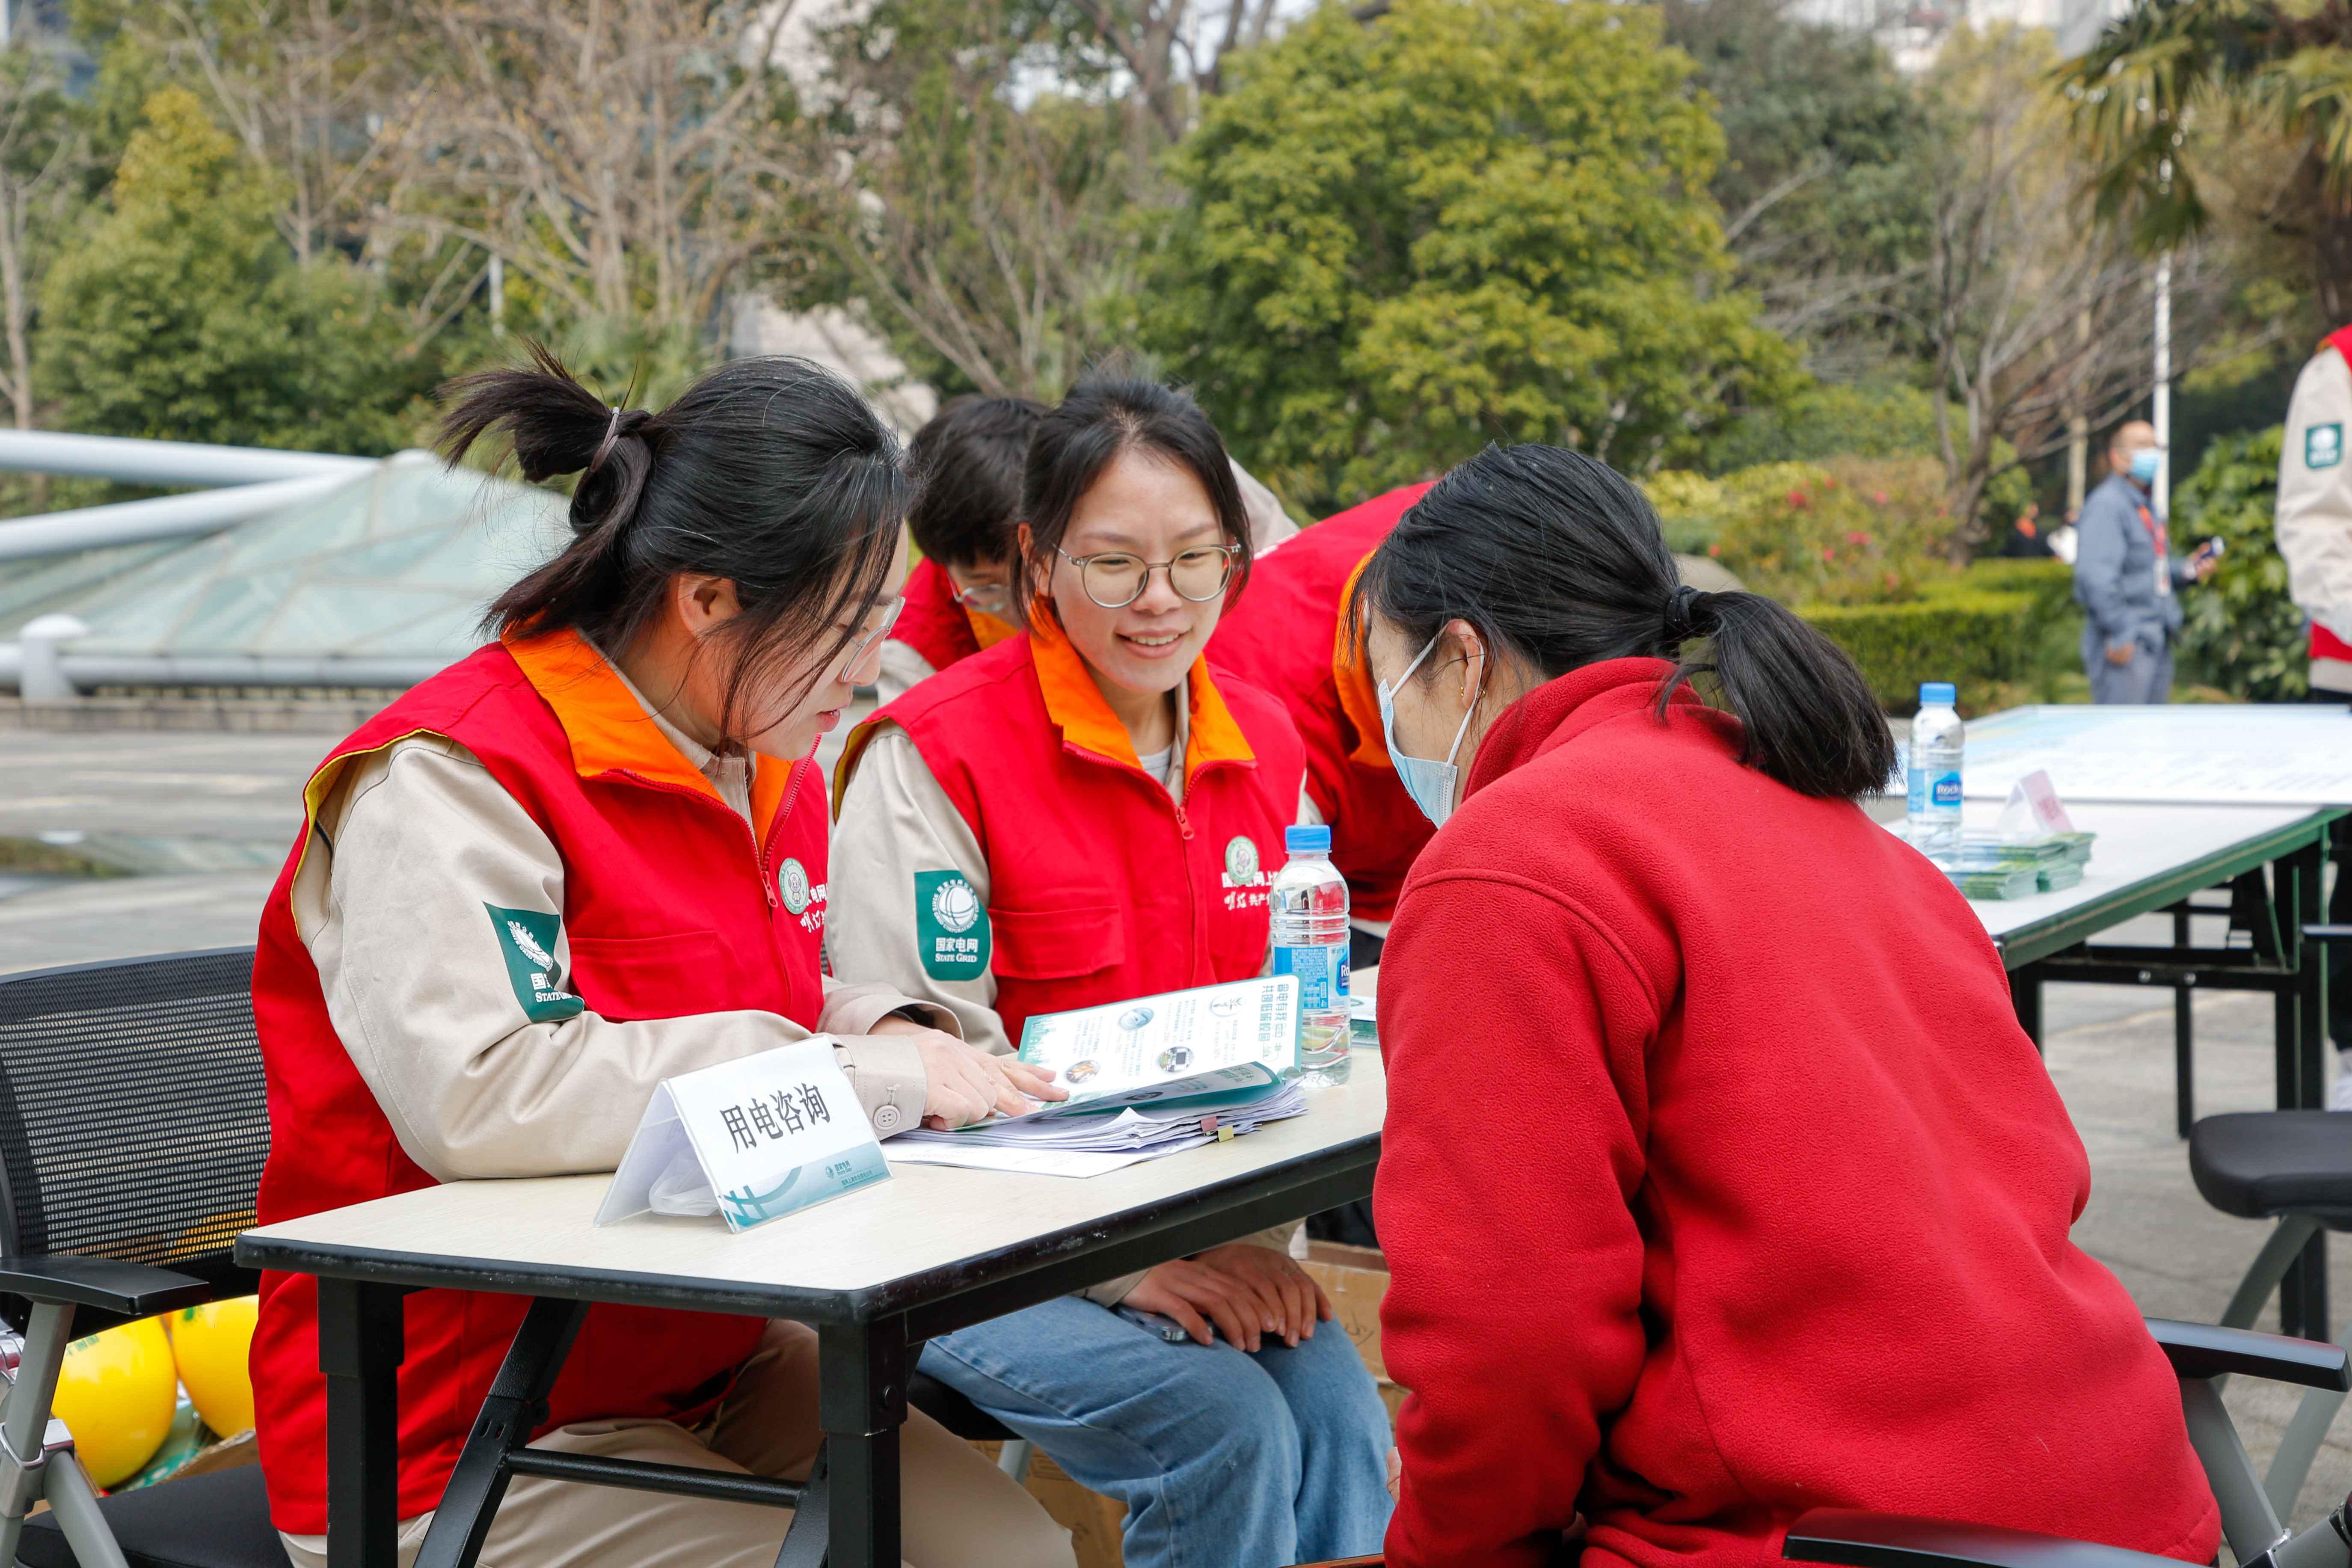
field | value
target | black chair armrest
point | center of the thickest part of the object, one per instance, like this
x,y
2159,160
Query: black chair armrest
x,y
2206,1349
1859,1540
133,1289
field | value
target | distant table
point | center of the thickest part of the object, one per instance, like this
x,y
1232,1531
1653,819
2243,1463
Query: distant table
x,y
2273,753
877,1272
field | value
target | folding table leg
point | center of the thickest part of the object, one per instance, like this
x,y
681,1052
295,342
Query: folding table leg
x,y
2025,995
2303,1034
515,1408
861,1402
361,1343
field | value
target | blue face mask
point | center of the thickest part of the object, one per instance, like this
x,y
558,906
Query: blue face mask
x,y
1431,784
2144,465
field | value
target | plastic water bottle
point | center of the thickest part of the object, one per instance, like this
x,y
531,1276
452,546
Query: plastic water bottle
x,y
1937,737
1308,901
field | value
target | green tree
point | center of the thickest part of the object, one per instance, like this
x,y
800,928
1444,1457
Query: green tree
x,y
1453,225
1824,209
182,313
2161,100
2241,631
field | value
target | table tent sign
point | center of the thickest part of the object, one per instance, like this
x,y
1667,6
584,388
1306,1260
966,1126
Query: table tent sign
x,y
750,1140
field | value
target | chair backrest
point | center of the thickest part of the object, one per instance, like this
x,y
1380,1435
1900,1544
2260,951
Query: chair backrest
x,y
134,1120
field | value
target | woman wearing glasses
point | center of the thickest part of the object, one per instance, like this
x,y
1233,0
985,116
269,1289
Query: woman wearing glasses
x,y
1086,812
967,464
588,857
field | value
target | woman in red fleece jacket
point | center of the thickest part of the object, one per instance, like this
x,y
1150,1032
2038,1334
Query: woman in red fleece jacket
x,y
1719,1181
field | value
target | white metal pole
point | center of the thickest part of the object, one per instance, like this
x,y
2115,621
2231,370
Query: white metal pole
x,y
2163,400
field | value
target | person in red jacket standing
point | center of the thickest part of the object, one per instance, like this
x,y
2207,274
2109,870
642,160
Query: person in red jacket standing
x,y
1718,1181
587,858
1287,638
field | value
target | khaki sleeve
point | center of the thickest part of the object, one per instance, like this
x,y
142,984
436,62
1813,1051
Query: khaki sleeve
x,y
896,825
423,878
2315,493
902,669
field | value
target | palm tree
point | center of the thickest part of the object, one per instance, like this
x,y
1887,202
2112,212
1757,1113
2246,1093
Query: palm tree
x,y
2156,93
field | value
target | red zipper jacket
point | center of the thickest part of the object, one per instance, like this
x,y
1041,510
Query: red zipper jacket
x,y
1285,637
1720,1184
672,907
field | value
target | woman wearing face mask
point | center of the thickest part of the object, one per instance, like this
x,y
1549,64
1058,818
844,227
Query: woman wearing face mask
x,y
588,857
1770,1193
1084,813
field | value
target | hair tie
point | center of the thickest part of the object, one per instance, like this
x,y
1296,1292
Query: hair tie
x,y
1685,614
605,447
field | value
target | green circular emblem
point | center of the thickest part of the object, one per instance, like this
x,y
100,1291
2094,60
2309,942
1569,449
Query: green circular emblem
x,y
955,905
1241,861
792,882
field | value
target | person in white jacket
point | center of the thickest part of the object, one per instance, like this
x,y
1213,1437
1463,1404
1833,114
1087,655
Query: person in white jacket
x,y
2314,524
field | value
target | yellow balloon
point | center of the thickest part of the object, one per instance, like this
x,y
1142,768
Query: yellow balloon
x,y
117,1393
211,1343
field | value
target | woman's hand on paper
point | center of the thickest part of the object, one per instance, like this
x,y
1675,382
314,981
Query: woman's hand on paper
x,y
963,1084
1249,1292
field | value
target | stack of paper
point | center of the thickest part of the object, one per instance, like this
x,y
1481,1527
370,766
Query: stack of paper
x,y
1089,1144
2057,860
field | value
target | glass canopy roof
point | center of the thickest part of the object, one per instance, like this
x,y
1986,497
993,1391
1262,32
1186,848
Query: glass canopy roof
x,y
398,562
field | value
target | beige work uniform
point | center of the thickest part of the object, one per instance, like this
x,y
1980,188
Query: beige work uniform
x,y
413,840
2314,506
895,822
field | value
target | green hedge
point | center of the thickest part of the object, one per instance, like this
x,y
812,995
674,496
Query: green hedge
x,y
2011,623
1971,638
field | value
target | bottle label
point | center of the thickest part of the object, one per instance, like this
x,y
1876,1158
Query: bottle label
x,y
1322,975
1940,790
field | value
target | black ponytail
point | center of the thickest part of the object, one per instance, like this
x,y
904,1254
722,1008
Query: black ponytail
x,y
1559,558
771,473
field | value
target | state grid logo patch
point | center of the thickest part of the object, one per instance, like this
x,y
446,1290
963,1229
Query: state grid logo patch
x,y
2322,446
951,926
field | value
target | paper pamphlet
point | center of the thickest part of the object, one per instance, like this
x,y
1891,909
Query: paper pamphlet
x,y
1238,1036
751,1140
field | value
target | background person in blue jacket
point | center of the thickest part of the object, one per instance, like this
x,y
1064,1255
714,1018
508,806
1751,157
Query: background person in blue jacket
x,y
2125,576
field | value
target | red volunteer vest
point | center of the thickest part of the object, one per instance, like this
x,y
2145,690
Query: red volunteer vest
x,y
1101,886
2326,644
671,908
1285,637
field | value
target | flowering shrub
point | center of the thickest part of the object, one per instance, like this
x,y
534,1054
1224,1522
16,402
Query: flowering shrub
x,y
1853,530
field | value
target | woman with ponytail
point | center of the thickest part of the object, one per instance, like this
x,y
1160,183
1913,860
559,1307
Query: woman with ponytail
x,y
587,858
1719,1181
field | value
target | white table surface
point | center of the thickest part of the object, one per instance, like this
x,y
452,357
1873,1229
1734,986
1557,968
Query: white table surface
x,y
2136,843
926,1217
2252,754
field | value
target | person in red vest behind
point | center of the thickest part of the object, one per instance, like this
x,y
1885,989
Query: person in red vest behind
x,y
1288,639
1718,1181
1086,813
587,858
967,468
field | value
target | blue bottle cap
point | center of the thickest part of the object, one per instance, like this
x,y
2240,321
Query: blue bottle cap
x,y
1312,839
1937,694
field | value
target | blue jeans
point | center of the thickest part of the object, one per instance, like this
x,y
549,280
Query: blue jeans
x,y
1224,1459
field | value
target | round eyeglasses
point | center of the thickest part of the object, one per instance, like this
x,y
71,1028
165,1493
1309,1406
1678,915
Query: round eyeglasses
x,y
988,598
867,641
1115,579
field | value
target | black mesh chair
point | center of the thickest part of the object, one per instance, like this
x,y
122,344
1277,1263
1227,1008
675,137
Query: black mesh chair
x,y
133,1124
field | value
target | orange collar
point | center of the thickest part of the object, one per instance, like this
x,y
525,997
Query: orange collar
x,y
987,630
1352,672
1075,703
610,730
